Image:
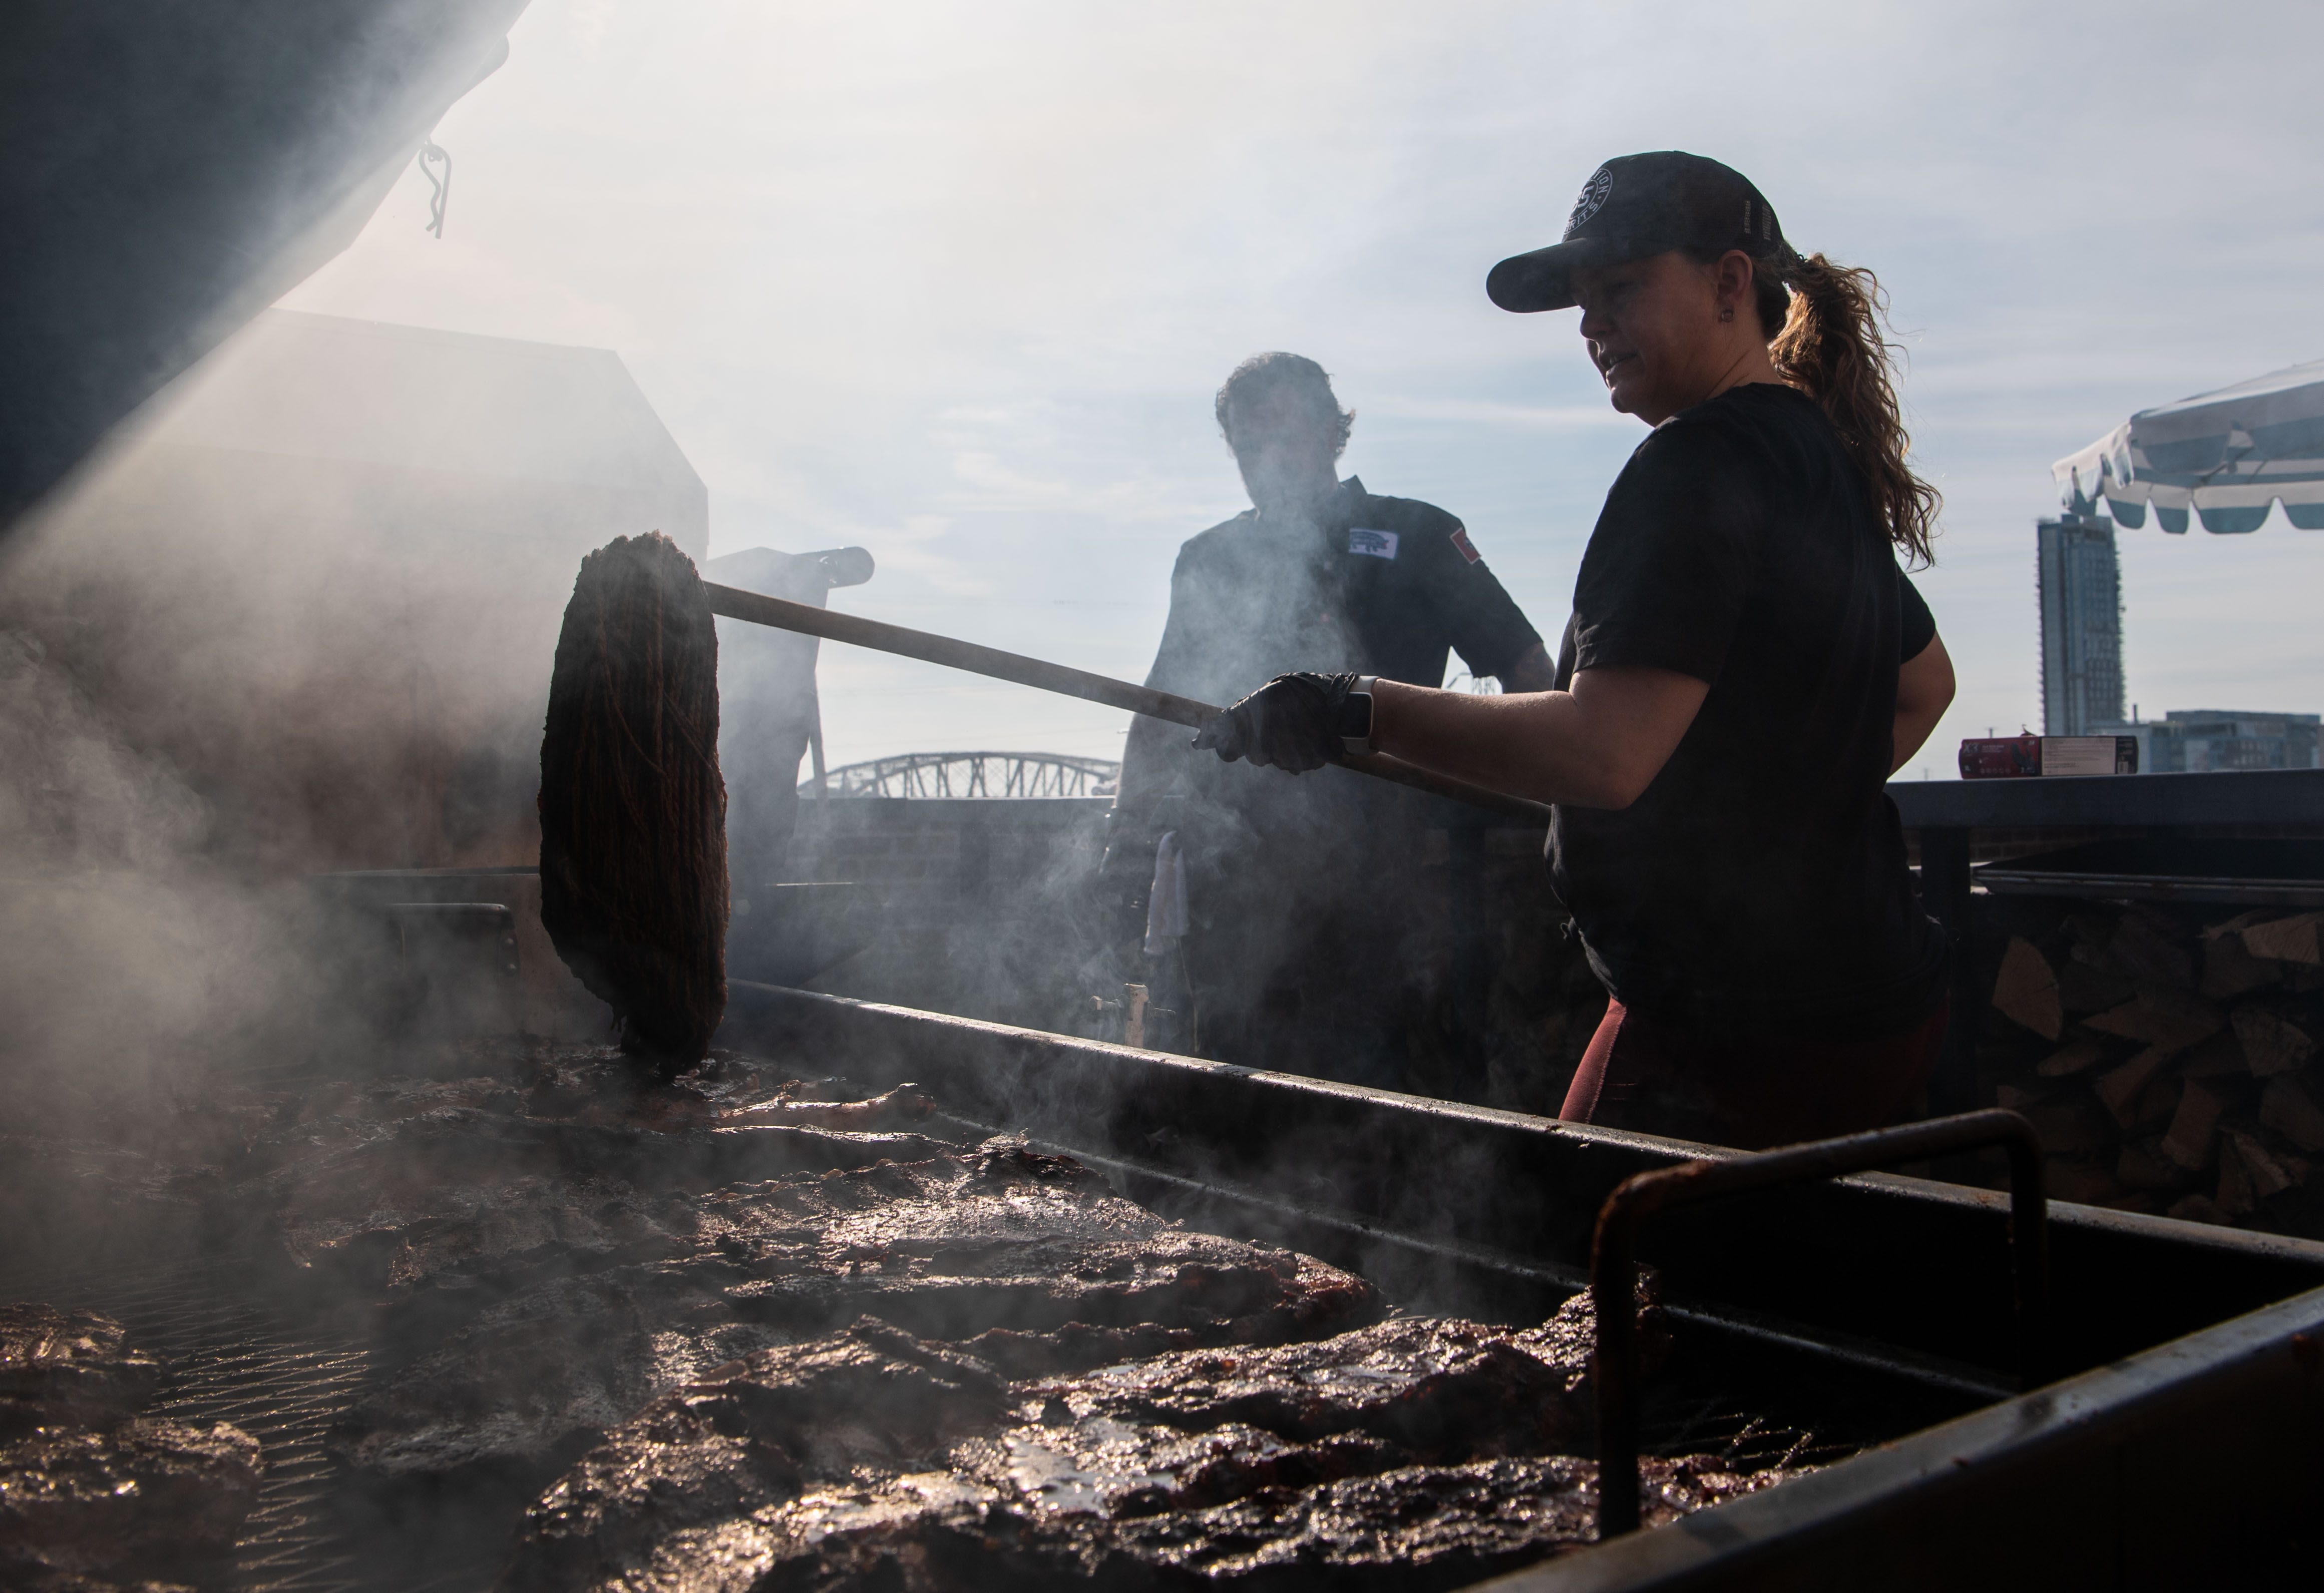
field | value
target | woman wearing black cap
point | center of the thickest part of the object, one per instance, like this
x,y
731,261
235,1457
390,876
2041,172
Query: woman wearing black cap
x,y
1745,666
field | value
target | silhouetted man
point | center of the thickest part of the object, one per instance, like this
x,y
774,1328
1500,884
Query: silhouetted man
x,y
1300,893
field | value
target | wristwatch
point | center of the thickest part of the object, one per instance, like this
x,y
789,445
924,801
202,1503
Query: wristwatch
x,y
1356,717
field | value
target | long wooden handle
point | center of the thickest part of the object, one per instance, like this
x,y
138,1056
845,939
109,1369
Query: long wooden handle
x,y
881,636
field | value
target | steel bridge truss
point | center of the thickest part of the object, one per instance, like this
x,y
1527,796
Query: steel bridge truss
x,y
972,774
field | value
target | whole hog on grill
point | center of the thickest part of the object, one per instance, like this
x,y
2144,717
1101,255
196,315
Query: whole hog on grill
x,y
1414,1452
748,1328
1022,1257
550,1243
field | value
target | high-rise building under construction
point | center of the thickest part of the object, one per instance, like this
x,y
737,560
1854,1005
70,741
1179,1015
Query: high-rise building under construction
x,y
2080,587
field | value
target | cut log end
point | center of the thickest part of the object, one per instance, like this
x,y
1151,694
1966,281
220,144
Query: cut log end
x,y
2187,1076
634,889
2026,990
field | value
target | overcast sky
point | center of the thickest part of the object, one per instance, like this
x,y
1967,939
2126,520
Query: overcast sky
x,y
957,282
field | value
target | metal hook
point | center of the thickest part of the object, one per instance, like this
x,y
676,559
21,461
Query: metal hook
x,y
430,150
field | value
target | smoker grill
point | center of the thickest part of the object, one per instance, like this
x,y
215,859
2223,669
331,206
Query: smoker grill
x,y
1863,1327
1866,1320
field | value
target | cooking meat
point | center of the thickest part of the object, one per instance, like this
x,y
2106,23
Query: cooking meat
x,y
752,1435
68,1366
907,1103
1421,1527
1191,1428
135,1499
534,1379
1414,1452
1025,1254
543,1161
1004,1238
459,1190
770,1338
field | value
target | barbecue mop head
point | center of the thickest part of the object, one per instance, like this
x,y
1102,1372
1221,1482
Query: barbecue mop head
x,y
632,809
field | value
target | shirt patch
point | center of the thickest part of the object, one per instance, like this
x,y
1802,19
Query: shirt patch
x,y
1468,548
1380,544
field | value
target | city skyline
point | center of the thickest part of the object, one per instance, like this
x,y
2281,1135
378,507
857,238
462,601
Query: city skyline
x,y
959,291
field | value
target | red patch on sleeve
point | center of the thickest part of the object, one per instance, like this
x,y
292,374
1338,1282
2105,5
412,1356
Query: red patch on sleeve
x,y
1468,548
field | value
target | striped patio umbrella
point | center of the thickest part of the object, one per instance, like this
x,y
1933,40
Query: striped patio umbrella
x,y
2228,456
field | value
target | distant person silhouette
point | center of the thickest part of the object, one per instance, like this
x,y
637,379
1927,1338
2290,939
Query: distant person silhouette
x,y
1303,897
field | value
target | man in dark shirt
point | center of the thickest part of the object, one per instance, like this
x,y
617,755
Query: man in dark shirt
x,y
1301,892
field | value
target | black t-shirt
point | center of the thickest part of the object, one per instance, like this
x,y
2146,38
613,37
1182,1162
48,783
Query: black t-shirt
x,y
1381,585
1759,883
1384,585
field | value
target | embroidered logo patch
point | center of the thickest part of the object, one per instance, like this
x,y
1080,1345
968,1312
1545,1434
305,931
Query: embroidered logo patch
x,y
1380,544
1592,199
1468,548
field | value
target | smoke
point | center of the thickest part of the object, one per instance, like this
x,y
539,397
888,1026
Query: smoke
x,y
297,620
1340,926
122,951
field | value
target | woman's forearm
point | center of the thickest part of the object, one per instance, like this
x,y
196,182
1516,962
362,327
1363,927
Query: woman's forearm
x,y
1597,745
1522,744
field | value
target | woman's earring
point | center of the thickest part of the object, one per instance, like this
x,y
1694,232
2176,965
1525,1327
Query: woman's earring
x,y
1727,313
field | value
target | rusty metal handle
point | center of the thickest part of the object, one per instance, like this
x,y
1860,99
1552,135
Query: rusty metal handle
x,y
808,620
1614,1268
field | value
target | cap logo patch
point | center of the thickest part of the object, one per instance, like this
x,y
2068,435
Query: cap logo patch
x,y
1468,548
1592,199
1380,544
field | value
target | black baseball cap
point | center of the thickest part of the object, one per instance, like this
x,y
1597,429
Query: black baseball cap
x,y
1635,206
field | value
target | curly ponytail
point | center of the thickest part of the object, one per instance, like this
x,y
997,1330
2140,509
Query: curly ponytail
x,y
1828,336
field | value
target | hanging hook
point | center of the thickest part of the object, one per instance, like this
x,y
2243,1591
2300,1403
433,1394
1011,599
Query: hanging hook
x,y
430,150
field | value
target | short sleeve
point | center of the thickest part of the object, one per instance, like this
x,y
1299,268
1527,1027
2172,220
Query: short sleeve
x,y
1668,568
1489,630
1916,626
1177,659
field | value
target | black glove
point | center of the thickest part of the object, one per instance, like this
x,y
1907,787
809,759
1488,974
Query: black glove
x,y
1292,723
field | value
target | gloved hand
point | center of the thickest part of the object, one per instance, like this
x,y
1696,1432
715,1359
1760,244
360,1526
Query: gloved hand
x,y
1291,723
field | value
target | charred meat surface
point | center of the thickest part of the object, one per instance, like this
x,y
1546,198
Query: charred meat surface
x,y
1003,1239
442,1195
1417,1451
554,1162
69,1367
137,1499
534,1379
1408,1389
1027,1255
772,1330
907,1103
91,1495
753,1435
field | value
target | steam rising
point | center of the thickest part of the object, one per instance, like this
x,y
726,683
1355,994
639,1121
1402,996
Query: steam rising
x,y
296,619
124,949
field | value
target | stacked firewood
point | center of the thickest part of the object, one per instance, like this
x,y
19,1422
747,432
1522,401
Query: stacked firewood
x,y
2169,1059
